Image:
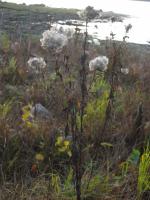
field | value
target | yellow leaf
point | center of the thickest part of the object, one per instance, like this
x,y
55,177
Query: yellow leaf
x,y
66,143
59,141
62,149
39,157
29,124
26,116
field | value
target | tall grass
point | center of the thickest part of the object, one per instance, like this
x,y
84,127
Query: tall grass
x,y
144,173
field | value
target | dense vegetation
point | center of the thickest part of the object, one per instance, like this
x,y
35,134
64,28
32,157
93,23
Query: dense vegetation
x,y
33,19
20,20
40,8
74,118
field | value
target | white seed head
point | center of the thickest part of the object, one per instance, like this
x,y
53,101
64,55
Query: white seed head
x,y
125,71
36,64
53,39
99,63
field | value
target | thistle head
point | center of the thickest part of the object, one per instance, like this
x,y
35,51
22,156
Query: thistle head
x,y
36,64
99,63
124,71
53,39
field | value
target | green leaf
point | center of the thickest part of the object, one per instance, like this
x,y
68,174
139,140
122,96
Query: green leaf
x,y
106,144
134,157
69,153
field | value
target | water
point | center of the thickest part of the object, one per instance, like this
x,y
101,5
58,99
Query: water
x,y
140,15
139,33
139,10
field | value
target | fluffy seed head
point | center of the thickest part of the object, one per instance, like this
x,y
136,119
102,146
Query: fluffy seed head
x,y
36,64
53,39
125,70
99,63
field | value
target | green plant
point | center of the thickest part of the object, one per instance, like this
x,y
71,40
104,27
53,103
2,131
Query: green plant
x,y
63,145
98,186
134,157
11,156
132,160
5,42
56,183
144,172
10,73
96,108
27,115
12,65
5,109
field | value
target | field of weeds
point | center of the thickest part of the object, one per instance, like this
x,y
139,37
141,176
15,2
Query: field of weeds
x,y
74,119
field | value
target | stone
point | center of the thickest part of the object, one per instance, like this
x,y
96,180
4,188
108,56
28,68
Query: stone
x,y
40,112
